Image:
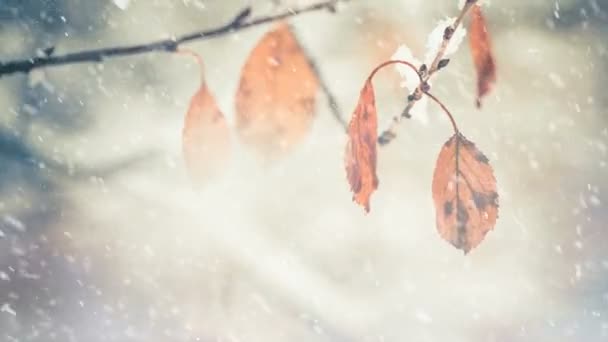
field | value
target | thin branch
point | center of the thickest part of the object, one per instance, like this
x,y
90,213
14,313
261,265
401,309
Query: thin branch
x,y
331,98
438,62
335,109
447,36
167,45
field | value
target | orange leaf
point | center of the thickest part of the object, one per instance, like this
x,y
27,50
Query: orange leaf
x,y
464,192
205,137
481,49
360,158
275,100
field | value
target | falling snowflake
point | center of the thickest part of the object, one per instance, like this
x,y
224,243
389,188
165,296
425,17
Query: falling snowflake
x,y
6,308
122,4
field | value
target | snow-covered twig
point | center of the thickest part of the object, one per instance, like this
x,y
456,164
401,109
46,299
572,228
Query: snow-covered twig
x,y
438,63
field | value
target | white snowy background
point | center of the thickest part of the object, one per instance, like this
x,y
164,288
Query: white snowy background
x,y
102,238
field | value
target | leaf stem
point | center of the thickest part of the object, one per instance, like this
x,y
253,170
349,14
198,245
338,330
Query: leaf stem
x,y
387,136
197,57
394,61
445,109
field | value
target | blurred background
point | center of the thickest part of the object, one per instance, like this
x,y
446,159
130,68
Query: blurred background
x,y
103,239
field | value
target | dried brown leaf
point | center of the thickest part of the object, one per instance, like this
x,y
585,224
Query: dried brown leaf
x,y
464,192
360,158
483,58
276,98
205,137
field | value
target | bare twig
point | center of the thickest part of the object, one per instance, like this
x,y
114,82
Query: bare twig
x,y
331,98
336,112
438,63
167,45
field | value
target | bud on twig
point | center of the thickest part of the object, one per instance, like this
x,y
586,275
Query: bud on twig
x,y
443,63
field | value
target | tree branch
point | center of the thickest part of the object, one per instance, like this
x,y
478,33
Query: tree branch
x,y
167,45
438,63
332,102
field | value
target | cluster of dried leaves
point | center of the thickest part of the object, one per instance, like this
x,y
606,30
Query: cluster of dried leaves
x,y
275,104
464,186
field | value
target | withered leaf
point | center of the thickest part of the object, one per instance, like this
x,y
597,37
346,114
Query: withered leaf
x,y
360,157
464,192
276,97
205,137
483,58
